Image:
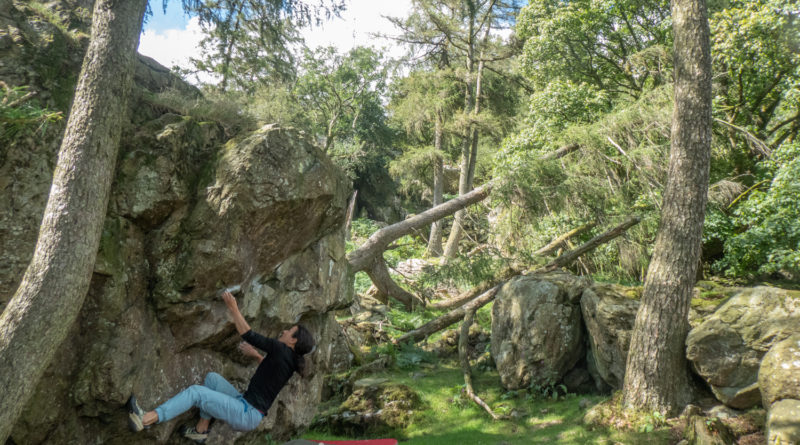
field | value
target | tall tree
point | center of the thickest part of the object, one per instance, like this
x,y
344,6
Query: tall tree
x,y
39,315
424,103
656,373
462,31
339,90
246,42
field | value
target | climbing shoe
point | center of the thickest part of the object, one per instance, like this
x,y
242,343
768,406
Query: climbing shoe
x,y
191,433
135,415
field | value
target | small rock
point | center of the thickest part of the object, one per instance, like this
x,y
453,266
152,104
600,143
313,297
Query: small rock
x,y
723,412
367,382
691,410
585,403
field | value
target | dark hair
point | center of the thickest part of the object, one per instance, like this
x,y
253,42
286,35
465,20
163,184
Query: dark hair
x,y
305,344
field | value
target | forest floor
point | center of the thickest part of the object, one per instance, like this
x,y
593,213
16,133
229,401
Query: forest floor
x,y
530,417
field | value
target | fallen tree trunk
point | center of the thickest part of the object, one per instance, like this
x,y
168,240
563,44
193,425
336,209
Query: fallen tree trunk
x,y
361,258
561,152
453,316
379,274
463,355
466,296
449,318
603,238
553,245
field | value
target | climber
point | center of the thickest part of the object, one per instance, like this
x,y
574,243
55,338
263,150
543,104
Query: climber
x,y
217,398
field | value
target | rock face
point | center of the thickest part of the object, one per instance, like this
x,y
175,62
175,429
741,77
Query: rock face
x,y
609,312
779,381
536,329
727,348
191,212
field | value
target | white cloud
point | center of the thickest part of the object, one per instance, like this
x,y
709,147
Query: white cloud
x,y
358,24
172,46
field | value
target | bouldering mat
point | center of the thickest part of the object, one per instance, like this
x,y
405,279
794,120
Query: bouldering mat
x,y
343,442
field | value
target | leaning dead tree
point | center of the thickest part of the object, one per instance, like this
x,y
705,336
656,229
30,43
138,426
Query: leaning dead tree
x,y
459,313
369,257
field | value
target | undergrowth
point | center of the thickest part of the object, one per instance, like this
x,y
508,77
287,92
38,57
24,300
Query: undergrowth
x,y
530,416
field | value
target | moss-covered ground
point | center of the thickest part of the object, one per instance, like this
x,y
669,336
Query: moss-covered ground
x,y
530,416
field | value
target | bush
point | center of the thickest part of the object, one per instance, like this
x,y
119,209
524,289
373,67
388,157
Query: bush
x,y
765,229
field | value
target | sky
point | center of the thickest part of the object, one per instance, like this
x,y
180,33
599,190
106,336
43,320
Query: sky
x,y
173,38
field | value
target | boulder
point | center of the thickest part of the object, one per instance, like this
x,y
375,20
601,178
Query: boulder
x,y
609,312
727,347
779,381
708,431
779,374
783,426
536,329
375,407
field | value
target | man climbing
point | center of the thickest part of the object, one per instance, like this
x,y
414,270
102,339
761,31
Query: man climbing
x,y
217,398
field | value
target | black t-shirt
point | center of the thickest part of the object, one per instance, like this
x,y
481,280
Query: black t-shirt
x,y
272,373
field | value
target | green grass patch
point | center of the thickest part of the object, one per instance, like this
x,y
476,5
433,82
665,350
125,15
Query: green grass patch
x,y
451,418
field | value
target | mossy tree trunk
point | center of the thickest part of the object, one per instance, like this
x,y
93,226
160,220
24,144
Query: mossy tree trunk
x,y
39,315
656,376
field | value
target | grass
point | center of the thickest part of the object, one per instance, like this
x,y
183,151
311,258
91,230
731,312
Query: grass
x,y
450,418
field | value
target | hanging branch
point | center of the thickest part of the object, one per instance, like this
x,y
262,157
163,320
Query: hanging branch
x,y
463,355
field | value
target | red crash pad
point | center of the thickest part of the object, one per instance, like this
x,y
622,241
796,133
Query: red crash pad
x,y
358,442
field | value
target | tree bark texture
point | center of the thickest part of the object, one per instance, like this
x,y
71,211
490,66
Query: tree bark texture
x,y
656,374
45,306
362,257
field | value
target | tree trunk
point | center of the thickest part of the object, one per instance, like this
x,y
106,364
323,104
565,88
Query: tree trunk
x,y
362,257
379,274
451,248
656,375
39,315
435,240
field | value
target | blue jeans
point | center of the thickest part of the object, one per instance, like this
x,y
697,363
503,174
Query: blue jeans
x,y
215,398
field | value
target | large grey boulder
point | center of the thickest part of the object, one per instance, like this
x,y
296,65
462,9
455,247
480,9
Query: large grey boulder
x,y
609,312
779,381
536,329
726,349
